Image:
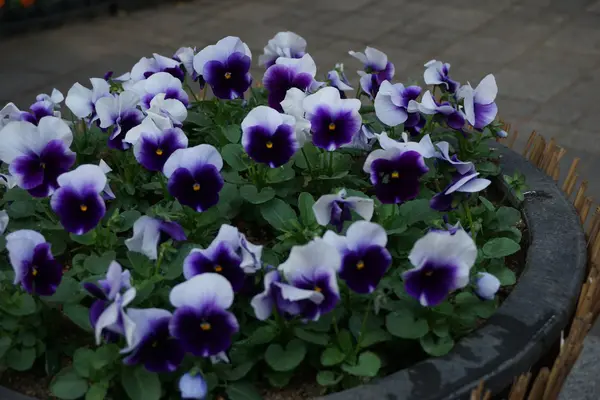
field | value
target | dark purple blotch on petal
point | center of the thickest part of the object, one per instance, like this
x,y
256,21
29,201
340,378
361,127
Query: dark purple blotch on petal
x,y
320,283
397,180
128,120
78,212
273,149
96,310
198,189
340,212
42,273
279,79
363,269
156,151
224,261
434,281
333,128
229,79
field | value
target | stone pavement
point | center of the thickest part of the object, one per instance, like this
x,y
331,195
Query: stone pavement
x,y
545,54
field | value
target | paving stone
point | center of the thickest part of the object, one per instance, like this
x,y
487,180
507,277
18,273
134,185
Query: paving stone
x,y
583,383
460,18
595,7
539,87
576,38
357,27
485,49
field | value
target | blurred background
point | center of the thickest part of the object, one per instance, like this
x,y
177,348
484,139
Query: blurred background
x,y
545,54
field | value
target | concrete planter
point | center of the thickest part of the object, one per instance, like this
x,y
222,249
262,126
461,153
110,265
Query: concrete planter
x,y
526,325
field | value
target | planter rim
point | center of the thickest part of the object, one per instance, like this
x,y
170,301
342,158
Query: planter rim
x,y
523,328
526,324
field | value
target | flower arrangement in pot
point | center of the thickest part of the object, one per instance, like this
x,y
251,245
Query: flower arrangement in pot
x,y
267,237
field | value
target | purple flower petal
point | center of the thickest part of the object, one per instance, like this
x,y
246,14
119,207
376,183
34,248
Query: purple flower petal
x,y
331,130
229,79
79,212
279,79
154,151
222,260
363,269
432,283
397,180
484,114
198,189
273,149
43,273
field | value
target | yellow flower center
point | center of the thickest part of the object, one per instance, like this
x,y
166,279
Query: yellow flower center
x,y
159,152
218,268
43,165
395,175
83,207
428,273
269,145
205,326
331,126
227,75
318,289
196,187
34,272
360,265
154,344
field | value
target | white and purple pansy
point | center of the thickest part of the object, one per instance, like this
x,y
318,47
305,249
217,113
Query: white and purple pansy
x,y
35,268
462,167
377,69
425,146
193,386
335,209
392,101
364,256
120,112
82,101
311,275
486,285
430,106
263,303
288,73
436,73
225,67
185,55
147,67
292,105
442,264
480,108
201,322
284,44
269,137
56,97
149,232
395,173
152,345
78,202
462,183
362,140
107,192
9,113
194,177
160,83
337,79
154,140
113,320
174,109
37,155
334,121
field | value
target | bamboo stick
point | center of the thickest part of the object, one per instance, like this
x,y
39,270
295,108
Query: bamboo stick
x,y
538,151
555,169
585,209
570,174
477,392
529,143
594,227
571,185
513,138
595,250
537,390
579,198
519,389
548,154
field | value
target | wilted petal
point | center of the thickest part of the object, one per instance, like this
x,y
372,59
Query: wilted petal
x,y
192,387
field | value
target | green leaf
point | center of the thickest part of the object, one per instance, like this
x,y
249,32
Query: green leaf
x,y
280,359
97,391
418,211
436,346
5,343
174,268
251,194
262,335
305,204
239,371
23,305
22,209
278,213
233,133
68,291
312,153
68,385
20,360
508,216
87,239
504,274
486,203
82,361
28,339
281,174
373,337
344,339
279,379
140,384
198,118
104,356
405,325
79,315
332,356
500,247
128,218
140,263
328,378
242,391
234,156
98,265
368,365
312,337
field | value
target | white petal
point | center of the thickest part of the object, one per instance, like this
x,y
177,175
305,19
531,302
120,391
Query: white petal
x,y
52,128
172,108
377,59
304,260
292,104
261,116
161,82
186,55
192,387
3,221
18,138
57,96
432,73
486,91
128,100
386,110
144,65
262,304
359,56
109,317
146,234
147,126
329,96
165,62
363,206
294,294
201,290
306,64
100,88
20,245
365,233
114,277
79,100
469,106
338,241
191,157
8,180
142,320
104,167
377,154
107,109
440,246
85,175
486,285
322,208
474,186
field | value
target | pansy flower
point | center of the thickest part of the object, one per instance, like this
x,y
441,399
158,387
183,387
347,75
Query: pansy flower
x,y
8,180
120,112
284,44
442,263
377,69
479,105
192,386
424,146
148,232
462,167
3,221
56,97
334,121
364,256
486,285
37,155
171,108
107,192
225,67
82,101
225,256
270,297
311,273
337,79
430,106
147,67
152,344
362,140
293,105
35,268
9,113
44,106
160,83
436,73
288,73
114,318
462,183
185,55
154,140
194,178
78,202
392,101
268,136
395,174
335,209
201,322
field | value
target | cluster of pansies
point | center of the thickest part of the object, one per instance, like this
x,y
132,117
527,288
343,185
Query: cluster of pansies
x,y
389,169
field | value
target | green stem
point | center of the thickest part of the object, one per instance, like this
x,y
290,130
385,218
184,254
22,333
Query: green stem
x,y
187,85
161,255
367,109
469,218
363,326
331,163
163,184
307,162
336,328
